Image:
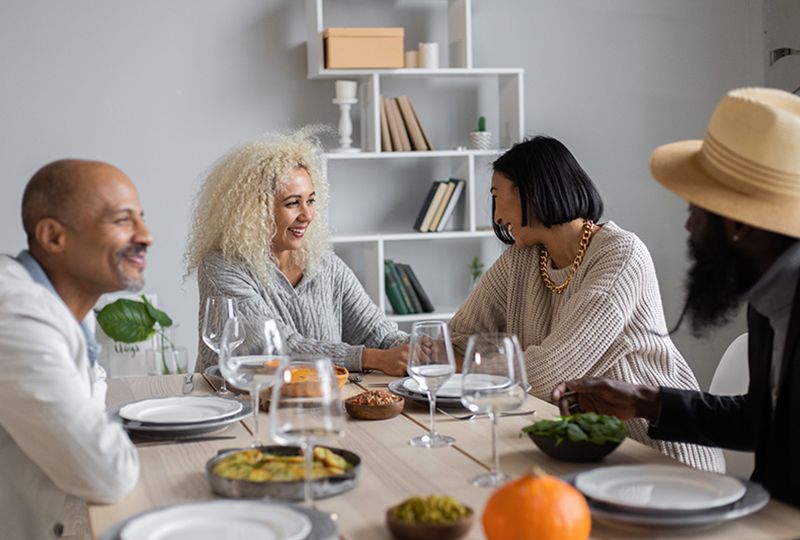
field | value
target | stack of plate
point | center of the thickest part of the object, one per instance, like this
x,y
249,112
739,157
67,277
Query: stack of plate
x,y
227,519
179,416
449,395
667,495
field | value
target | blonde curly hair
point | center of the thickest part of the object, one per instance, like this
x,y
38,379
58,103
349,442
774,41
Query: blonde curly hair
x,y
234,210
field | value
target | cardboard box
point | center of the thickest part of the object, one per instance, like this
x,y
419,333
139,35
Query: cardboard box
x,y
347,48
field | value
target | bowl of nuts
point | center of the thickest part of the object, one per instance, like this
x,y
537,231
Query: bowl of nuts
x,y
374,405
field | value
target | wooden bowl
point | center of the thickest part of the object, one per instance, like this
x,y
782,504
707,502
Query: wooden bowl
x,y
374,412
575,452
403,530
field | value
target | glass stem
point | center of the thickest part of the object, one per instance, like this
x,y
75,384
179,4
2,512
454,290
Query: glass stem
x,y
432,402
495,457
255,394
308,455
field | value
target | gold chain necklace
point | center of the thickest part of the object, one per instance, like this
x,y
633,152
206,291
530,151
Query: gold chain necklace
x,y
544,259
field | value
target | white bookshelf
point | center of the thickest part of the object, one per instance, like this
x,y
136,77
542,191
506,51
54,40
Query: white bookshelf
x,y
365,250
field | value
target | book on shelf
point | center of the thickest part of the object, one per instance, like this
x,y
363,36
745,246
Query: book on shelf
x,y
451,203
405,142
386,141
425,303
441,188
404,294
394,129
437,217
421,127
412,125
424,208
416,304
393,290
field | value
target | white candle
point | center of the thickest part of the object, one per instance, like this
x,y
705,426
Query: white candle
x,y
411,59
346,89
429,55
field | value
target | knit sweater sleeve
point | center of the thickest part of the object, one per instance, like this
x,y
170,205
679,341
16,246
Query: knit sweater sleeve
x,y
590,324
363,322
484,309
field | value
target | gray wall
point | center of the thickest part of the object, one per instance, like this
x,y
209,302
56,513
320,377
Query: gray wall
x,y
162,89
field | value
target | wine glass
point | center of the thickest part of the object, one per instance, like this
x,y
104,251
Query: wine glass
x,y
431,362
303,413
493,380
253,364
218,310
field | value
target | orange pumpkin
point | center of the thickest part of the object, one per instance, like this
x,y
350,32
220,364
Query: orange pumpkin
x,y
537,507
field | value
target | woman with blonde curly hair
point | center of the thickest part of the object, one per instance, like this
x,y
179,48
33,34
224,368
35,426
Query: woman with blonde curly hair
x,y
260,237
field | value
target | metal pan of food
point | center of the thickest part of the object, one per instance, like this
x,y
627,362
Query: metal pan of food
x,y
276,472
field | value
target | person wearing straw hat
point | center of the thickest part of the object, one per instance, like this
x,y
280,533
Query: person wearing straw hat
x,y
742,182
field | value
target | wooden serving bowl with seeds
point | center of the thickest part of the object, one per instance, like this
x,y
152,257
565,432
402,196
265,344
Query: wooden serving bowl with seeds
x,y
374,405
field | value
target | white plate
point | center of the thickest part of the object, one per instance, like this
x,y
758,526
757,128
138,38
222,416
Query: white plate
x,y
219,519
659,487
180,410
452,387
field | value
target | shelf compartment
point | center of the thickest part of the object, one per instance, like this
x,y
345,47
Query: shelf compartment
x,y
418,72
335,156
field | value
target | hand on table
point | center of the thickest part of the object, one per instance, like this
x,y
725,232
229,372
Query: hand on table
x,y
390,361
607,396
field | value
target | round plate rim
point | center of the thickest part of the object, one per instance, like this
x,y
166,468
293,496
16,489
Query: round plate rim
x,y
396,387
672,471
235,404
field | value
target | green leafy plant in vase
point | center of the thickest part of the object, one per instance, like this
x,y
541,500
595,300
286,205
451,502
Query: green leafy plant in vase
x,y
132,321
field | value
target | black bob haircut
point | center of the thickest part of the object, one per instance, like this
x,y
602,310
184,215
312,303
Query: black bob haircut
x,y
552,186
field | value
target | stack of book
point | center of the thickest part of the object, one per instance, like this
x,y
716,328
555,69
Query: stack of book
x,y
404,291
440,202
401,130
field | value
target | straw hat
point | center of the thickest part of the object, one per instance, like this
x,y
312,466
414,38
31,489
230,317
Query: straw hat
x,y
747,167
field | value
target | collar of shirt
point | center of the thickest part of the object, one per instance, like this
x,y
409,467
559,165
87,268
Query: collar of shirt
x,y
38,275
773,295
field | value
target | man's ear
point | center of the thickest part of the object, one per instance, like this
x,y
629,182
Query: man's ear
x,y
50,235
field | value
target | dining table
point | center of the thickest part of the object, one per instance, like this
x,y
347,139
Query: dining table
x,y
174,472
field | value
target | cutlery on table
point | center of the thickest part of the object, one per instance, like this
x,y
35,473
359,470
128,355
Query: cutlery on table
x,y
483,415
157,442
355,378
188,384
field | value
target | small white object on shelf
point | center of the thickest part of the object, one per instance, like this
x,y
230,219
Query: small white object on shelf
x,y
428,55
412,59
345,125
480,140
346,89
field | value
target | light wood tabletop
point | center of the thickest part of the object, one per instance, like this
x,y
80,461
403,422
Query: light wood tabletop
x,y
392,470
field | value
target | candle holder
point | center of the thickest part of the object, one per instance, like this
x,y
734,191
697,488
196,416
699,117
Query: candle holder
x,y
345,125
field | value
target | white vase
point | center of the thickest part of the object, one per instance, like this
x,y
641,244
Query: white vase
x,y
480,140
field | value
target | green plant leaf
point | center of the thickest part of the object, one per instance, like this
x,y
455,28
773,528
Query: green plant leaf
x,y
160,317
128,321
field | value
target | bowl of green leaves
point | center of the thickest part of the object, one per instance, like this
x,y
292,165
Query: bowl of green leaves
x,y
579,438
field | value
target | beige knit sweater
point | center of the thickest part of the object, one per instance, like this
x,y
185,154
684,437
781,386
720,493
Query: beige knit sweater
x,y
608,322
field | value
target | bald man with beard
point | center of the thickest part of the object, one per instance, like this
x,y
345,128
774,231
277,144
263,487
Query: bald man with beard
x,y
86,237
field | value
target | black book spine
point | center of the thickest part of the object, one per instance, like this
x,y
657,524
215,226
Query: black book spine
x,y
425,205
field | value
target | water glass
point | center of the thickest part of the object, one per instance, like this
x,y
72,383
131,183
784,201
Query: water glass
x,y
493,380
253,364
218,310
431,363
306,413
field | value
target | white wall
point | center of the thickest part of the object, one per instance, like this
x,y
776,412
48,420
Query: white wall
x,y
161,89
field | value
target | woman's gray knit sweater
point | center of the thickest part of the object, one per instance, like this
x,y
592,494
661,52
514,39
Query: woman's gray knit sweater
x,y
328,313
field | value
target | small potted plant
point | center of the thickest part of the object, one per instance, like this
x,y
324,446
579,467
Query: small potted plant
x,y
481,139
475,271
133,321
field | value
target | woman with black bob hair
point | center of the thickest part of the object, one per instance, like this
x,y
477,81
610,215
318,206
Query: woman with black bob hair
x,y
582,296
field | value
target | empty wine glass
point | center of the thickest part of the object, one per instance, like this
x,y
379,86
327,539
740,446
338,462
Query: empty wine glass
x,y
218,310
305,413
431,362
253,364
493,380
